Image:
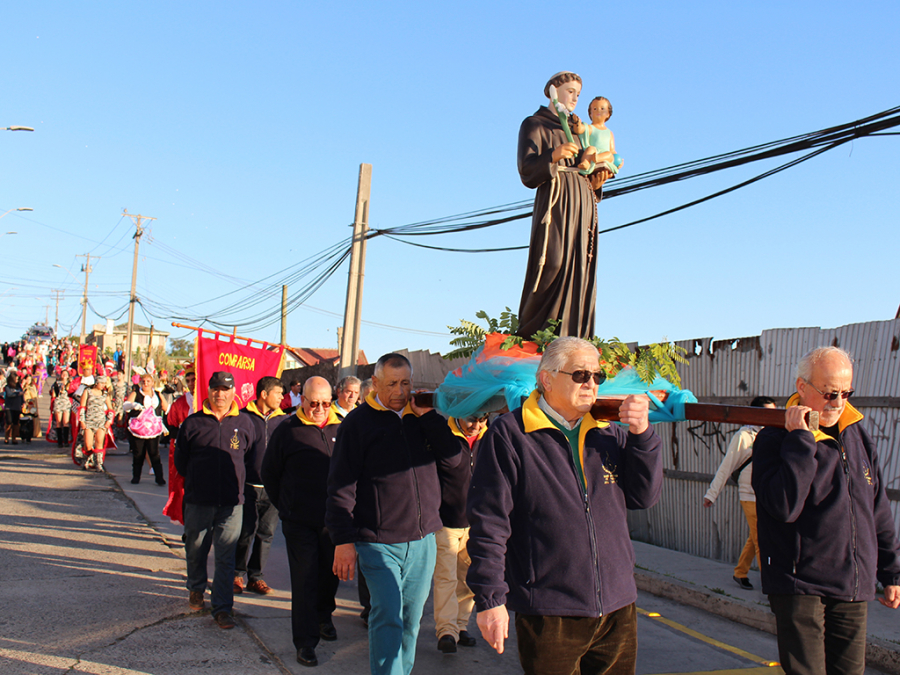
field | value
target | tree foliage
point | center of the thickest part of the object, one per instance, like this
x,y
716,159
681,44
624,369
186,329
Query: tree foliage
x,y
657,359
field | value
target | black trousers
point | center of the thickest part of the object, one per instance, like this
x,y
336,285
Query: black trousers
x,y
570,645
313,584
820,635
140,448
257,532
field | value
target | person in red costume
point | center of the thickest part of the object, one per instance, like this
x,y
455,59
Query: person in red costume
x,y
178,413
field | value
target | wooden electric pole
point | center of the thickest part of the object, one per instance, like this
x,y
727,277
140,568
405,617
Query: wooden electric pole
x,y
283,315
87,270
130,334
353,309
56,321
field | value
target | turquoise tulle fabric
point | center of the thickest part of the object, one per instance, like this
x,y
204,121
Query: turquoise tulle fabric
x,y
487,383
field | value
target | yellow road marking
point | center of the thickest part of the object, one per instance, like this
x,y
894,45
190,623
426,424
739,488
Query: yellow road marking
x,y
759,670
655,616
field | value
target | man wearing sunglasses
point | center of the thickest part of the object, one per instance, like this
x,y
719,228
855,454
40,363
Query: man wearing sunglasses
x,y
547,509
826,532
453,601
295,474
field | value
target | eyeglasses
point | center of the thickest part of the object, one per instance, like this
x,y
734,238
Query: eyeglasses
x,y
472,419
832,395
582,376
319,404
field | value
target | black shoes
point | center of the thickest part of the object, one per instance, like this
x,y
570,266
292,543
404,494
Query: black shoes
x,y
744,583
447,644
327,631
306,656
465,640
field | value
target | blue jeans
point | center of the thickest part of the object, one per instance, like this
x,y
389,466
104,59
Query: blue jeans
x,y
219,526
399,579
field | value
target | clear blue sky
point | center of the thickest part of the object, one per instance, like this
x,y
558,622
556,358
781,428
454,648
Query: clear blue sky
x,y
241,129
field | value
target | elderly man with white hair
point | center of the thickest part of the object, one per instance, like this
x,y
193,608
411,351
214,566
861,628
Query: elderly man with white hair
x,y
547,508
826,533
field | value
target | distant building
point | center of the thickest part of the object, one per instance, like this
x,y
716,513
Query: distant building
x,y
302,357
140,338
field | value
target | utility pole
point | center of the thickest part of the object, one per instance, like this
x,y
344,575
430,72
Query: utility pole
x,y
56,320
283,315
86,268
137,242
353,309
150,347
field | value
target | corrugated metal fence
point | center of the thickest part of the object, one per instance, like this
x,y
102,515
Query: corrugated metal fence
x,y
734,371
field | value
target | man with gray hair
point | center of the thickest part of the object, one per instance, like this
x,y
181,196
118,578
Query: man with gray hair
x,y
346,395
826,533
547,508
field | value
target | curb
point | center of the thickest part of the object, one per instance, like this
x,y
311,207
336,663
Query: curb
x,y
880,653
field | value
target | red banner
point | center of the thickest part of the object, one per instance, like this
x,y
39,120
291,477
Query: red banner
x,y
245,362
87,358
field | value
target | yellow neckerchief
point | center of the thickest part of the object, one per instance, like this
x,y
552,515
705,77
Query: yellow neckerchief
x,y
231,413
252,407
332,418
533,418
849,416
373,401
454,427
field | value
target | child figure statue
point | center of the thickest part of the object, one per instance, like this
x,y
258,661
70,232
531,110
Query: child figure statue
x,y
597,140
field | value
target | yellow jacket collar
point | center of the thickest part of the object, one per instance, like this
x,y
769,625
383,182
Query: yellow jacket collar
x,y
533,418
332,417
849,416
454,427
252,407
372,400
231,413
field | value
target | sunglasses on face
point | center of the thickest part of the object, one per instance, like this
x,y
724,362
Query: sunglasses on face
x,y
582,376
832,395
319,404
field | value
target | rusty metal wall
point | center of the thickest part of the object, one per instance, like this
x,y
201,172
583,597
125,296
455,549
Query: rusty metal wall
x,y
737,370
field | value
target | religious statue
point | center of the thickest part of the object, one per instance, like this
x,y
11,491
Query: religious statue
x,y
560,281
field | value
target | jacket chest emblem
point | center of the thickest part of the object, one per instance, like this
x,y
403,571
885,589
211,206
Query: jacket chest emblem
x,y
867,474
610,475
235,441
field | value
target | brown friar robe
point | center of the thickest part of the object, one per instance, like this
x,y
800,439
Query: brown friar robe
x,y
567,288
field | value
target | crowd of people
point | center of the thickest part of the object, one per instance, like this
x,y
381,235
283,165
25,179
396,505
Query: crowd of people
x,y
492,516
27,365
525,513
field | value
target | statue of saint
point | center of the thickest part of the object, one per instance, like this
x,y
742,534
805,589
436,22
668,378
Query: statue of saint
x,y
560,282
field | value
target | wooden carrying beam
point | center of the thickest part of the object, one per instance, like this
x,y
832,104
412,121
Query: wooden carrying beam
x,y
607,408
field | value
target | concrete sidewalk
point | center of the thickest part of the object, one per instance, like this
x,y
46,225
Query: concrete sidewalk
x,y
94,583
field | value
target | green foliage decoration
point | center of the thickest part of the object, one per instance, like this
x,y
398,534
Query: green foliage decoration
x,y
648,361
